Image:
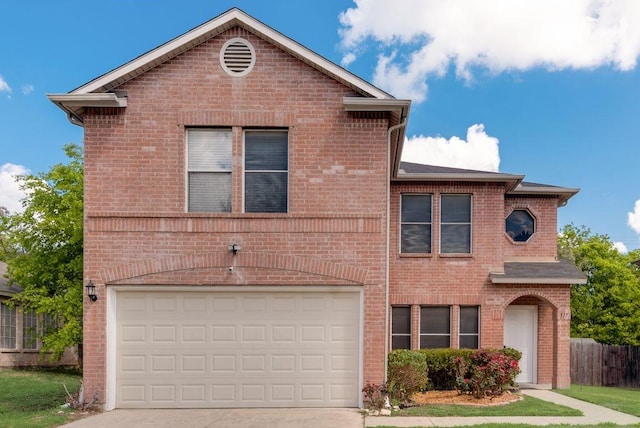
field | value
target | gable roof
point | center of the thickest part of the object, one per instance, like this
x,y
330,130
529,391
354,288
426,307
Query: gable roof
x,y
96,93
514,183
560,272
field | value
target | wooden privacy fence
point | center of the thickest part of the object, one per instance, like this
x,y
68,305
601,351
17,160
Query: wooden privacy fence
x,y
604,365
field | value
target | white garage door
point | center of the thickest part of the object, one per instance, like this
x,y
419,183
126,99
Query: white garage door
x,y
177,349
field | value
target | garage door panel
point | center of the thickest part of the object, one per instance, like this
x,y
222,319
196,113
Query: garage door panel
x,y
272,350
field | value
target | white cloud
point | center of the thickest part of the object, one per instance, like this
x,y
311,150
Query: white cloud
x,y
27,88
494,35
4,86
348,59
10,193
620,247
633,218
479,151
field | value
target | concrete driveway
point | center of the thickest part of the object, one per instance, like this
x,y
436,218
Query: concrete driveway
x,y
232,418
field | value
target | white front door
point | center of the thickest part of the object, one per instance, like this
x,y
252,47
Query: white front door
x,y
521,333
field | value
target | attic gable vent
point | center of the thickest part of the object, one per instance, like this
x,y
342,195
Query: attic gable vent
x,y
237,57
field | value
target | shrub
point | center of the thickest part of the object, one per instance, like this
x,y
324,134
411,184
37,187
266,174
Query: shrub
x,y
441,366
375,395
407,374
486,373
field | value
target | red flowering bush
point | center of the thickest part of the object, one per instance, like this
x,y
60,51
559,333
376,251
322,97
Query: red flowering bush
x,y
485,373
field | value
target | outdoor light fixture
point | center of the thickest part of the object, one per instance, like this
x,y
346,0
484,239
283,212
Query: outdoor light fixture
x,y
234,248
91,291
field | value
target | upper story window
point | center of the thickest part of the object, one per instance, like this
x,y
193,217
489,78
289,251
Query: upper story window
x,y
415,224
520,225
209,170
7,326
401,327
266,169
455,224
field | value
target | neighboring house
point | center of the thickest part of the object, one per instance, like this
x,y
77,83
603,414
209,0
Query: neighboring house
x,y
19,342
255,241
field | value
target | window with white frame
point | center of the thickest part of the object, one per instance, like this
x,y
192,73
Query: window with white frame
x,y
455,224
415,223
401,327
30,330
266,171
435,327
469,334
7,326
209,170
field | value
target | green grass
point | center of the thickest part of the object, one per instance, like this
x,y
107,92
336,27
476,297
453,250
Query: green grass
x,y
623,400
528,406
33,398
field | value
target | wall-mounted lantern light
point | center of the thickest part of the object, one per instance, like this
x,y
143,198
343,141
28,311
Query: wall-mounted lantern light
x,y
234,248
91,291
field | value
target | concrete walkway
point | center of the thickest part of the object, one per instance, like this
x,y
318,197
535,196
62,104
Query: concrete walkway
x,y
592,415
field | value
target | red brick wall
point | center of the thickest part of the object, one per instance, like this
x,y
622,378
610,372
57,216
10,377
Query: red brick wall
x,y
137,230
543,243
465,280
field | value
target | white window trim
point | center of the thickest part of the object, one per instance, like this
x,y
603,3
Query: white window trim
x,y
402,223
441,223
244,168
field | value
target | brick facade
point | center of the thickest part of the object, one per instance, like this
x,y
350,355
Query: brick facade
x,y
338,230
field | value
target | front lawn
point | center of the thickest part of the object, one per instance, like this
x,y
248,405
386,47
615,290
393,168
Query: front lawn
x,y
33,398
623,400
528,406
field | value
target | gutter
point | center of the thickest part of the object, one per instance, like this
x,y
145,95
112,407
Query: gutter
x,y
402,124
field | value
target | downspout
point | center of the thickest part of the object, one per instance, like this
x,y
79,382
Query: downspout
x,y
388,250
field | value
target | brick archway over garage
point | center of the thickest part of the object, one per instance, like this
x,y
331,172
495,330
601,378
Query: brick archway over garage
x,y
137,269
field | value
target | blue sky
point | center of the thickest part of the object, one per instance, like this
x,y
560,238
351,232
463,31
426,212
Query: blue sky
x,y
546,89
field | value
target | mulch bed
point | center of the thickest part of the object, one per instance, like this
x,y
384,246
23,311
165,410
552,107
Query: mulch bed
x,y
452,397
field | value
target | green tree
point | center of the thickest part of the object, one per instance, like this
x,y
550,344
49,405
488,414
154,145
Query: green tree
x,y
42,246
607,307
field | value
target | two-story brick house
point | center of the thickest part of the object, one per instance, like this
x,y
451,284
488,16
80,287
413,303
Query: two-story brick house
x,y
255,241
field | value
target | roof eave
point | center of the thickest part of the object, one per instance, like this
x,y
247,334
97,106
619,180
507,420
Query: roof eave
x,y
563,193
510,180
73,104
501,279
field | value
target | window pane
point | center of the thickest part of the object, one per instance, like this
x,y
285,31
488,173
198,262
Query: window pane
x,y
415,238
435,320
7,327
520,225
469,342
209,192
30,330
456,209
416,208
469,319
401,327
266,192
266,151
401,342
209,149
456,238
401,320
430,342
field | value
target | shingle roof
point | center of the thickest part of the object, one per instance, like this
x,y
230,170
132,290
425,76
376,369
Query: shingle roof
x,y
5,288
560,272
515,184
